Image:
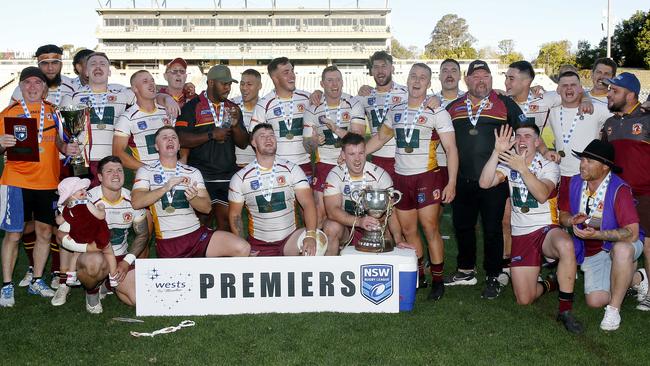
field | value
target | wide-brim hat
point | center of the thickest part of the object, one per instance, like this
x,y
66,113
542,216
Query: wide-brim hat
x,y
601,151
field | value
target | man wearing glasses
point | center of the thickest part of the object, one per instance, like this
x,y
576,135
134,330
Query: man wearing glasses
x,y
176,76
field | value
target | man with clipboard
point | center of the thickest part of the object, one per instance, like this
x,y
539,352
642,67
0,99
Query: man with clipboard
x,y
29,179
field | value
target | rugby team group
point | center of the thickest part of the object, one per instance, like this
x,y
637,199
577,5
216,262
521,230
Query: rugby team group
x,y
559,178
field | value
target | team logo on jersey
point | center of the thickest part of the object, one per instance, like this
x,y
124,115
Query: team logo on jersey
x,y
301,108
166,121
609,131
600,206
127,217
397,118
277,111
205,112
513,175
142,125
84,100
376,282
533,108
157,178
20,132
396,99
111,98
255,185
48,115
346,189
346,116
282,180
421,120
523,118
371,101
636,129
436,194
313,180
421,197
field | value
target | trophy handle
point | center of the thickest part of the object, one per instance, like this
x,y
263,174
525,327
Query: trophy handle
x,y
392,193
357,197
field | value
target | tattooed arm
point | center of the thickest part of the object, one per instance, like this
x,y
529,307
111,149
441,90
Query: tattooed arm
x,y
234,217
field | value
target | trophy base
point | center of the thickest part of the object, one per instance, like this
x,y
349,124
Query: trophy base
x,y
80,170
371,242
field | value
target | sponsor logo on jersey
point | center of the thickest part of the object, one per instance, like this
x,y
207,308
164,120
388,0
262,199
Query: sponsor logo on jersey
x,y
142,125
277,111
346,189
157,178
371,101
255,184
397,118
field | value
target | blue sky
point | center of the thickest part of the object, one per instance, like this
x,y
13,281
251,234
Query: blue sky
x,y
412,20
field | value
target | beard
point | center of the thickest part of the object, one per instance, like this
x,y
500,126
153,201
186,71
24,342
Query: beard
x,y
54,82
388,80
616,106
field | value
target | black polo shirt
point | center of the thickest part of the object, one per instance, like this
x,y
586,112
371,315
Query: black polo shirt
x,y
475,150
215,160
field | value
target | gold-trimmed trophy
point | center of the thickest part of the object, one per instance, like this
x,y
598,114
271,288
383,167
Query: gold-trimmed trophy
x,y
74,121
376,203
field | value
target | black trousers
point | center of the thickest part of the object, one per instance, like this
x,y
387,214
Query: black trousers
x,y
490,203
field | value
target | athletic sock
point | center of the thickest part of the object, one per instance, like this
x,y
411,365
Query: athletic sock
x,y
6,283
565,301
505,262
34,279
55,265
436,272
92,291
548,286
29,239
420,267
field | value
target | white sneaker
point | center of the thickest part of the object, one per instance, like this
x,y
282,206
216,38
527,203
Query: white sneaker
x,y
28,277
40,288
644,305
97,309
61,295
642,287
504,277
54,284
7,296
71,279
611,320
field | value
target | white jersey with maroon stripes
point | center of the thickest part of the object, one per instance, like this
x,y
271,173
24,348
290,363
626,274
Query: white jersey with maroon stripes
x,y
120,216
441,155
247,155
59,95
338,182
598,99
351,112
539,214
140,127
118,99
180,219
277,111
398,94
274,220
418,155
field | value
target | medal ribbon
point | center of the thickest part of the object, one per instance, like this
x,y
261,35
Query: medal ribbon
x,y
598,199
534,167
267,190
288,119
41,121
566,138
99,109
410,125
474,119
347,178
381,117
217,122
177,173
338,116
527,103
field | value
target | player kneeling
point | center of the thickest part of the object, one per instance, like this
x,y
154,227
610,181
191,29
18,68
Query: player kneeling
x,y
343,180
535,231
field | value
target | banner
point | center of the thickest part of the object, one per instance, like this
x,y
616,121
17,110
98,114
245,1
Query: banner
x,y
219,286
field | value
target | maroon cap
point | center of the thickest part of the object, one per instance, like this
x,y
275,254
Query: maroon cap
x,y
177,60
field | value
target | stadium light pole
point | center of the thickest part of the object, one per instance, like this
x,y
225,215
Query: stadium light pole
x,y
609,27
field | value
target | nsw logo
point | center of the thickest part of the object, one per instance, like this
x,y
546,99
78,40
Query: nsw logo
x,y
371,101
142,125
255,185
277,111
376,282
20,132
398,117
157,178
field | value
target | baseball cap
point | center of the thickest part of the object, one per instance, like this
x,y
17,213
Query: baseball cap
x,y
221,73
477,64
177,60
626,80
32,71
601,151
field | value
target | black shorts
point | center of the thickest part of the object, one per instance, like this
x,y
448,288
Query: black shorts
x,y
218,192
40,204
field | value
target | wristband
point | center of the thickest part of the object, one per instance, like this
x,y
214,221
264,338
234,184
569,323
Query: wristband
x,y
129,258
71,245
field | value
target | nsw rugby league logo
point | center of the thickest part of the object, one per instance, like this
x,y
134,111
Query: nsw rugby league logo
x,y
376,282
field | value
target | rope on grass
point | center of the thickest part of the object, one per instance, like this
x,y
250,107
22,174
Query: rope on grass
x,y
183,324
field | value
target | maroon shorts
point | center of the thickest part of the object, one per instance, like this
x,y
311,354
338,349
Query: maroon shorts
x,y
268,248
527,249
419,190
444,176
388,164
322,170
309,171
192,245
643,209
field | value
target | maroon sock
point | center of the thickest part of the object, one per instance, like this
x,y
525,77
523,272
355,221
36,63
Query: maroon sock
x,y
437,271
92,291
55,265
62,278
29,239
565,301
420,267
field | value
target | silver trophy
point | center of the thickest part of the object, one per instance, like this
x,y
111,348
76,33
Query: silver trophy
x,y
73,122
376,203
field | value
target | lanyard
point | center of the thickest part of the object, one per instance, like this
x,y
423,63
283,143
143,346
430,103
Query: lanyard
x,y
267,189
41,121
474,119
177,173
410,125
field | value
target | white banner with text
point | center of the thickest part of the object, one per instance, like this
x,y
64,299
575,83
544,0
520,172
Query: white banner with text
x,y
220,286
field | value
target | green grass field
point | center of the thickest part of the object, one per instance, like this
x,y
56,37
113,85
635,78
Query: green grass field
x,y
461,328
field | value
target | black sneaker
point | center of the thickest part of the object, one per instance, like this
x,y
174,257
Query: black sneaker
x,y
461,278
492,288
422,282
437,290
570,322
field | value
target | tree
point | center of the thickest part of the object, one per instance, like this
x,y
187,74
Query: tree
x,y
399,51
507,54
586,55
450,38
554,54
506,46
643,42
626,39
487,52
